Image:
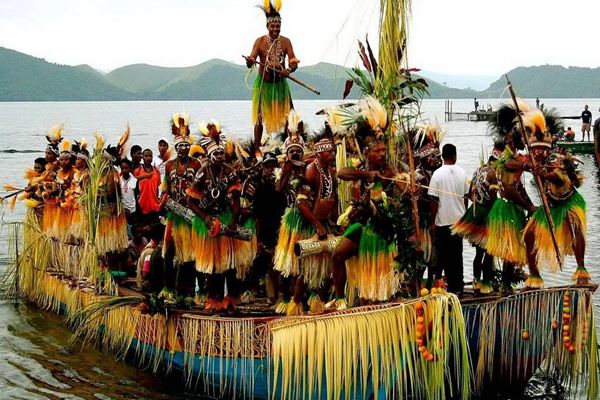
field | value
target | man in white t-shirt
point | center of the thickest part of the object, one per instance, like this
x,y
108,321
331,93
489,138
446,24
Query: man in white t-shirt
x,y
446,210
160,160
129,191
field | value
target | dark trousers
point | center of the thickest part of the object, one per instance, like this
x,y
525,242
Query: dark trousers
x,y
449,250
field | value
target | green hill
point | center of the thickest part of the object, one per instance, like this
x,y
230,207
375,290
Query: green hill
x,y
143,77
549,81
26,78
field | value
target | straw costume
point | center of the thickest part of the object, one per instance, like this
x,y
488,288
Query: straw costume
x,y
473,224
369,245
293,226
111,228
271,97
49,189
215,199
506,219
426,147
178,248
317,205
560,179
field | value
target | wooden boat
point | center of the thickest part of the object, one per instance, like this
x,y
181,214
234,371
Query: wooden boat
x,y
577,147
478,346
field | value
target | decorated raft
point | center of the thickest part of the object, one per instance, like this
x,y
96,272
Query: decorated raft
x,y
428,347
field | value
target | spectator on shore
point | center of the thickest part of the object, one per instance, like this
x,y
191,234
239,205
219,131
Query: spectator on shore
x,y
129,190
476,104
586,123
136,156
537,102
446,210
149,182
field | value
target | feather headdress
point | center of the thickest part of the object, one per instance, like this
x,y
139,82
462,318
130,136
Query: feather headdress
x,y
123,143
54,137
541,127
294,129
180,128
427,139
271,10
65,147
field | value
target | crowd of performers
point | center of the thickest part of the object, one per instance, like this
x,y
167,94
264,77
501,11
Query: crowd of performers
x,y
317,222
340,218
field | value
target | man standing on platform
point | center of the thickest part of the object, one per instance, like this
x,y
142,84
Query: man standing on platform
x,y
271,97
586,123
448,209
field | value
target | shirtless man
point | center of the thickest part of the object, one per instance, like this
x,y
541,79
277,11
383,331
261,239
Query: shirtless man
x,y
271,98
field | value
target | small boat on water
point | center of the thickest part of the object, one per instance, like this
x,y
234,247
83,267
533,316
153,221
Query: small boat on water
x,y
577,147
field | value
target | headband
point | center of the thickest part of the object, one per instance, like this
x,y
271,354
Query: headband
x,y
324,145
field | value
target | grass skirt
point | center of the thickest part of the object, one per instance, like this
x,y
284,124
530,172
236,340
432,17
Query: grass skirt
x,y
181,237
314,269
51,213
213,255
78,229
371,273
506,221
473,225
568,218
272,102
111,230
245,251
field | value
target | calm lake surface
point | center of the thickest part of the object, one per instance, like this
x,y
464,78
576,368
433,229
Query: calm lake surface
x,y
34,345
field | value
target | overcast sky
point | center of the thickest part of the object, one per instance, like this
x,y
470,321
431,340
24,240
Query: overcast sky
x,y
465,37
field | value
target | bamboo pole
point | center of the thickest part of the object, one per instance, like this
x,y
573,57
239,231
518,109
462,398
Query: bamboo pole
x,y
290,77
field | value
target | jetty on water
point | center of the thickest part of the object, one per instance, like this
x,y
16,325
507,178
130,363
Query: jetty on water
x,y
451,115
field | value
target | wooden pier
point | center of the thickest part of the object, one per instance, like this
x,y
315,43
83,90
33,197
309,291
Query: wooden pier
x,y
451,115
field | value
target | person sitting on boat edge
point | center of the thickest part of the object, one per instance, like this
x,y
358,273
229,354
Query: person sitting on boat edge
x,y
569,135
560,180
271,97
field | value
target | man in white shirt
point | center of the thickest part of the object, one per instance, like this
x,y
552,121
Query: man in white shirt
x,y
446,210
129,191
160,160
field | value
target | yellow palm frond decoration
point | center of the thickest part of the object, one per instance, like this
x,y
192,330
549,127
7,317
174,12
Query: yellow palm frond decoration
x,y
100,140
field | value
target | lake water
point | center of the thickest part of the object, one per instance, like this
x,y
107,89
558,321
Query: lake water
x,y
38,364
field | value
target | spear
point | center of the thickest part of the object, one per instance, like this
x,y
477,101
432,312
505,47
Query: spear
x,y
538,179
291,78
412,183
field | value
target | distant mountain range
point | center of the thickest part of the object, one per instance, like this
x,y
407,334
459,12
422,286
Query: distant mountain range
x,y
26,78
